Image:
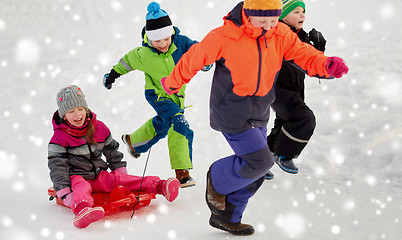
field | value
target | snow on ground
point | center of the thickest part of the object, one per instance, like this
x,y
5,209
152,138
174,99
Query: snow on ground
x,y
349,182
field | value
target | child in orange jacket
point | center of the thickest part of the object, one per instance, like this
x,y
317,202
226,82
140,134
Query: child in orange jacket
x,y
248,51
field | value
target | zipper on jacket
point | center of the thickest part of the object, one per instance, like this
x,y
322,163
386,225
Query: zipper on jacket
x,y
90,157
259,60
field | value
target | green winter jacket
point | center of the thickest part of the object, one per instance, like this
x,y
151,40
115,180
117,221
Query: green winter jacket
x,y
156,64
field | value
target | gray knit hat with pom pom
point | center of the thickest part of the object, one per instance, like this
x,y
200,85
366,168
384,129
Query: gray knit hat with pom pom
x,y
70,97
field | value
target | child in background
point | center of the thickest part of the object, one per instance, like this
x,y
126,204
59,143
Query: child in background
x,y
248,51
162,47
295,121
76,165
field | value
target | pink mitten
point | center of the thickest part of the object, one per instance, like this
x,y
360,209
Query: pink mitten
x,y
336,67
66,195
168,90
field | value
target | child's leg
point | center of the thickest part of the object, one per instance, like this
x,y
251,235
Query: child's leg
x,y
106,182
180,142
82,194
148,134
298,123
239,176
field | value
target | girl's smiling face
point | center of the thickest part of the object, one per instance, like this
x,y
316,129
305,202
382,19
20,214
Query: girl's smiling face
x,y
295,18
76,116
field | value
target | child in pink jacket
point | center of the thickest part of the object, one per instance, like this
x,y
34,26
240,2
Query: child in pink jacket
x,y
76,165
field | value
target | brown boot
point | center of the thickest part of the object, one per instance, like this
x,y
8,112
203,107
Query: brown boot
x,y
215,200
239,229
184,177
126,140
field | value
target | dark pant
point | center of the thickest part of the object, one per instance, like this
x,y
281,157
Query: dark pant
x,y
240,176
294,124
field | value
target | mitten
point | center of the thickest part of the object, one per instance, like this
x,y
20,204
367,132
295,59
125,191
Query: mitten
x,y
336,67
66,195
122,170
169,90
109,78
206,68
318,40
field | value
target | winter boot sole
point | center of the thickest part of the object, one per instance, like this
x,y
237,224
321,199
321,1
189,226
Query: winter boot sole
x,y
187,182
269,175
238,229
130,149
288,170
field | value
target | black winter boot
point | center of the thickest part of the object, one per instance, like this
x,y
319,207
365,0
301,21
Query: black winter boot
x,y
286,164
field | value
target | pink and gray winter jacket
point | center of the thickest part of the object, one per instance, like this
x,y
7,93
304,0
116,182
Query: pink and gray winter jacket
x,y
69,153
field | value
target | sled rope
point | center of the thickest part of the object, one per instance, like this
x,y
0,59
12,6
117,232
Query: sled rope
x,y
142,180
145,167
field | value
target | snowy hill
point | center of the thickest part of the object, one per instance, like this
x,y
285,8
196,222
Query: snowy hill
x,y
349,184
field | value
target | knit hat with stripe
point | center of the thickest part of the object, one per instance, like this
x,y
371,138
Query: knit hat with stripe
x,y
158,24
70,97
290,5
262,8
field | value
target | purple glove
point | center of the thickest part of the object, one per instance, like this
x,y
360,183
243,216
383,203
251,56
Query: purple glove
x,y
66,195
169,91
336,67
122,170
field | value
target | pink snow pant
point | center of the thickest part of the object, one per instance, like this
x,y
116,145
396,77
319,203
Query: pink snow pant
x,y
106,182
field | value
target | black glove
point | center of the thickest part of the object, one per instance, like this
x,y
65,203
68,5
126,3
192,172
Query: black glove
x,y
109,78
303,36
318,40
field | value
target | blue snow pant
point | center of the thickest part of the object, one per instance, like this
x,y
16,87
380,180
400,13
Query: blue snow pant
x,y
240,176
169,121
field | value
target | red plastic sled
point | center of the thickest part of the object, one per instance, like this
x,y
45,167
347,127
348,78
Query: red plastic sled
x,y
119,198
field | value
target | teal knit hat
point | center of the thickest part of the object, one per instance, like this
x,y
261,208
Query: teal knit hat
x,y
290,5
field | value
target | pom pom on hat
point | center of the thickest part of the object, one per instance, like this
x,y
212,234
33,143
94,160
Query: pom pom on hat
x,y
158,24
70,97
262,8
290,5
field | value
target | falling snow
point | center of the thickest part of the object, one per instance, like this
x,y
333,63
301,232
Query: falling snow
x,y
349,181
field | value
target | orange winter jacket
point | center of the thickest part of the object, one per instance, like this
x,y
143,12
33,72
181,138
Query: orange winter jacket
x,y
247,61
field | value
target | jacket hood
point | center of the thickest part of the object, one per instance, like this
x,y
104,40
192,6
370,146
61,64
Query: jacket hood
x,y
238,24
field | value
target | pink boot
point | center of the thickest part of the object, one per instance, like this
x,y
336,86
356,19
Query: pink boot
x,y
87,216
169,188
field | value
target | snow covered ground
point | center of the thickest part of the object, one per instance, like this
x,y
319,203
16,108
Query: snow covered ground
x,y
349,184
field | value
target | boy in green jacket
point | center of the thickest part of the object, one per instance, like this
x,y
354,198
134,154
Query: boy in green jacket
x,y
162,48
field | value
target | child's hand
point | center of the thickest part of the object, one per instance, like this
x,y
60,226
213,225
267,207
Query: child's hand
x,y
66,195
109,79
169,90
206,68
318,40
336,67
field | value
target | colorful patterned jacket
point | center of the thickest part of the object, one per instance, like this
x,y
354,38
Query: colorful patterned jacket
x,y
248,60
70,154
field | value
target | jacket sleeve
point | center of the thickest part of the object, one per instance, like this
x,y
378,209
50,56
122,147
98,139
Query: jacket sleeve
x,y
113,156
129,62
58,166
305,57
203,53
